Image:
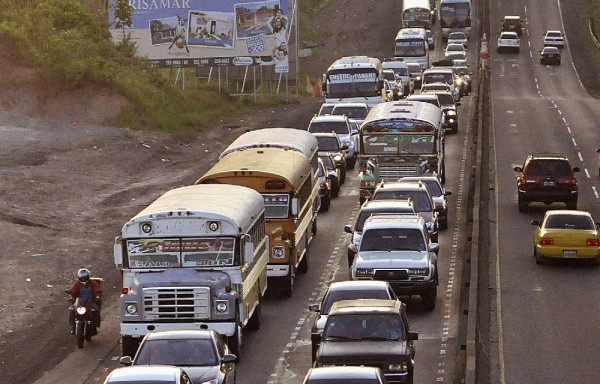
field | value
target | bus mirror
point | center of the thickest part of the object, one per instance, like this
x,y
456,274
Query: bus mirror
x,y
324,78
295,206
118,252
249,252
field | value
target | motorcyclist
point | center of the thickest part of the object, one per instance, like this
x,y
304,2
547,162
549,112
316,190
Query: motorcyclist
x,y
86,288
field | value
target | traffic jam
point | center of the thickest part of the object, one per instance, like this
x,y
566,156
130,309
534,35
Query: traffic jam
x,y
202,265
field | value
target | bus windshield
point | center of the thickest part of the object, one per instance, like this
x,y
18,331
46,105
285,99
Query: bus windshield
x,y
276,206
356,82
181,252
382,144
416,17
411,48
455,15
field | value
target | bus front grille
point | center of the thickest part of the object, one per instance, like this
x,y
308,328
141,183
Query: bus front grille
x,y
394,172
176,303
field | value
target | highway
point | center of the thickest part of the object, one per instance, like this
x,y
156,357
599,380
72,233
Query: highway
x,y
544,318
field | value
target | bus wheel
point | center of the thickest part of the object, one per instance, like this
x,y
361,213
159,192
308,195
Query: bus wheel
x,y
256,319
303,265
286,284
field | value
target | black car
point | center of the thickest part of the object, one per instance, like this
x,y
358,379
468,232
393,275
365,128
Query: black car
x,y
450,109
324,187
202,353
333,173
549,56
547,178
330,144
369,332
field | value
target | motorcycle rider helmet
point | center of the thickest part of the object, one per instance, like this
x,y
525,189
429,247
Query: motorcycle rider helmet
x,y
83,275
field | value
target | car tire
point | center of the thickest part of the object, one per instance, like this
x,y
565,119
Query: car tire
x,y
522,205
428,298
444,222
314,347
286,285
539,260
335,188
435,237
325,205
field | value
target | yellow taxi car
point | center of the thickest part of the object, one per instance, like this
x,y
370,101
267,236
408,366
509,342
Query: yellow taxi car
x,y
566,234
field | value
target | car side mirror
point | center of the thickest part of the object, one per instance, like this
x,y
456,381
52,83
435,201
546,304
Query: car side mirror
x,y
518,169
598,150
447,193
458,104
125,360
434,247
348,228
229,358
412,336
352,248
535,222
576,169
314,308
344,147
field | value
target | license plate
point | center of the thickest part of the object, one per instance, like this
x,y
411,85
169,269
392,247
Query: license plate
x,y
548,183
569,254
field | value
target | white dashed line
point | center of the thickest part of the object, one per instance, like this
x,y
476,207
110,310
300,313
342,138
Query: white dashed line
x,y
587,174
595,192
574,142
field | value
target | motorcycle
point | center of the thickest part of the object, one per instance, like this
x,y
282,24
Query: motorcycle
x,y
85,318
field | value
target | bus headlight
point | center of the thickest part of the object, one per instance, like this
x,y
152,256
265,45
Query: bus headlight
x,y
222,307
278,252
131,309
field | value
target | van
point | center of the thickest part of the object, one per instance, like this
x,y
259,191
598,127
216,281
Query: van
x,y
400,68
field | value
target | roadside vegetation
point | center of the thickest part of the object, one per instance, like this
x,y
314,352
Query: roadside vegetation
x,y
593,10
69,42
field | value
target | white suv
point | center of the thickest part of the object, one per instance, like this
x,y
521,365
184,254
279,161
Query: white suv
x,y
398,249
343,128
554,39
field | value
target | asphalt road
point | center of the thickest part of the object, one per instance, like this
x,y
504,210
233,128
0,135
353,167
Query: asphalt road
x,y
546,328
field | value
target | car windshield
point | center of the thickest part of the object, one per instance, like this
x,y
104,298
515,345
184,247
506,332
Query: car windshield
x,y
457,36
328,144
364,214
334,296
420,198
569,222
392,239
364,326
339,127
326,109
548,167
178,352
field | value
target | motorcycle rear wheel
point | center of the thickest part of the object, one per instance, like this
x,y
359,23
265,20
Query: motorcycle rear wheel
x,y
79,332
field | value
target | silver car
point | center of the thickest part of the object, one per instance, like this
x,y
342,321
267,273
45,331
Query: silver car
x,y
343,128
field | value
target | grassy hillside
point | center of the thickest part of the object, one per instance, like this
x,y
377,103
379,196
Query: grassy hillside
x,y
593,7
69,41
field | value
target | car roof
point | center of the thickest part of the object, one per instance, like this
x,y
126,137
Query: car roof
x,y
422,96
343,373
401,185
553,31
357,285
511,33
325,118
180,334
544,155
419,178
569,212
550,49
365,306
156,373
380,204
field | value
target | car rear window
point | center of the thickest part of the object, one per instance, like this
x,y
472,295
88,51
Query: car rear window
x,y
420,198
363,215
335,296
559,168
328,144
438,78
341,128
569,222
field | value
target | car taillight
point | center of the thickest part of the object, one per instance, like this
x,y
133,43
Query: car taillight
x,y
546,241
573,181
592,243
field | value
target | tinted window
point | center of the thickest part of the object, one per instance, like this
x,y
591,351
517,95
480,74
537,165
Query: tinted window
x,y
569,222
328,144
363,215
392,239
325,110
548,167
420,198
439,77
432,187
328,161
364,326
180,352
335,296
430,100
351,112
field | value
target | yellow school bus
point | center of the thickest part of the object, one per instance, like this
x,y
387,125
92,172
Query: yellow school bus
x,y
283,178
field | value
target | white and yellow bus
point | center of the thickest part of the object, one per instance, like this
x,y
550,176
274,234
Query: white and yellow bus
x,y
284,179
195,258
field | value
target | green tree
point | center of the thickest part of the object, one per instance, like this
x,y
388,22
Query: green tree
x,y
123,12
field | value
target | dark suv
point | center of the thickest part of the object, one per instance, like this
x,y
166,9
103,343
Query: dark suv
x,y
512,24
369,332
548,178
330,144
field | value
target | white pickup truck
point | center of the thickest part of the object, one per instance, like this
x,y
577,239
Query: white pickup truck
x,y
508,41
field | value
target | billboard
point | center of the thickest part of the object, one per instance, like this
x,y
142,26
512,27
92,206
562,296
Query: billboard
x,y
180,33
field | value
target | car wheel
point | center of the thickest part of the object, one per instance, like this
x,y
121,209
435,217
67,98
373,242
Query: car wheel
x,y
444,222
539,260
434,237
522,205
335,188
314,348
286,285
428,298
325,202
